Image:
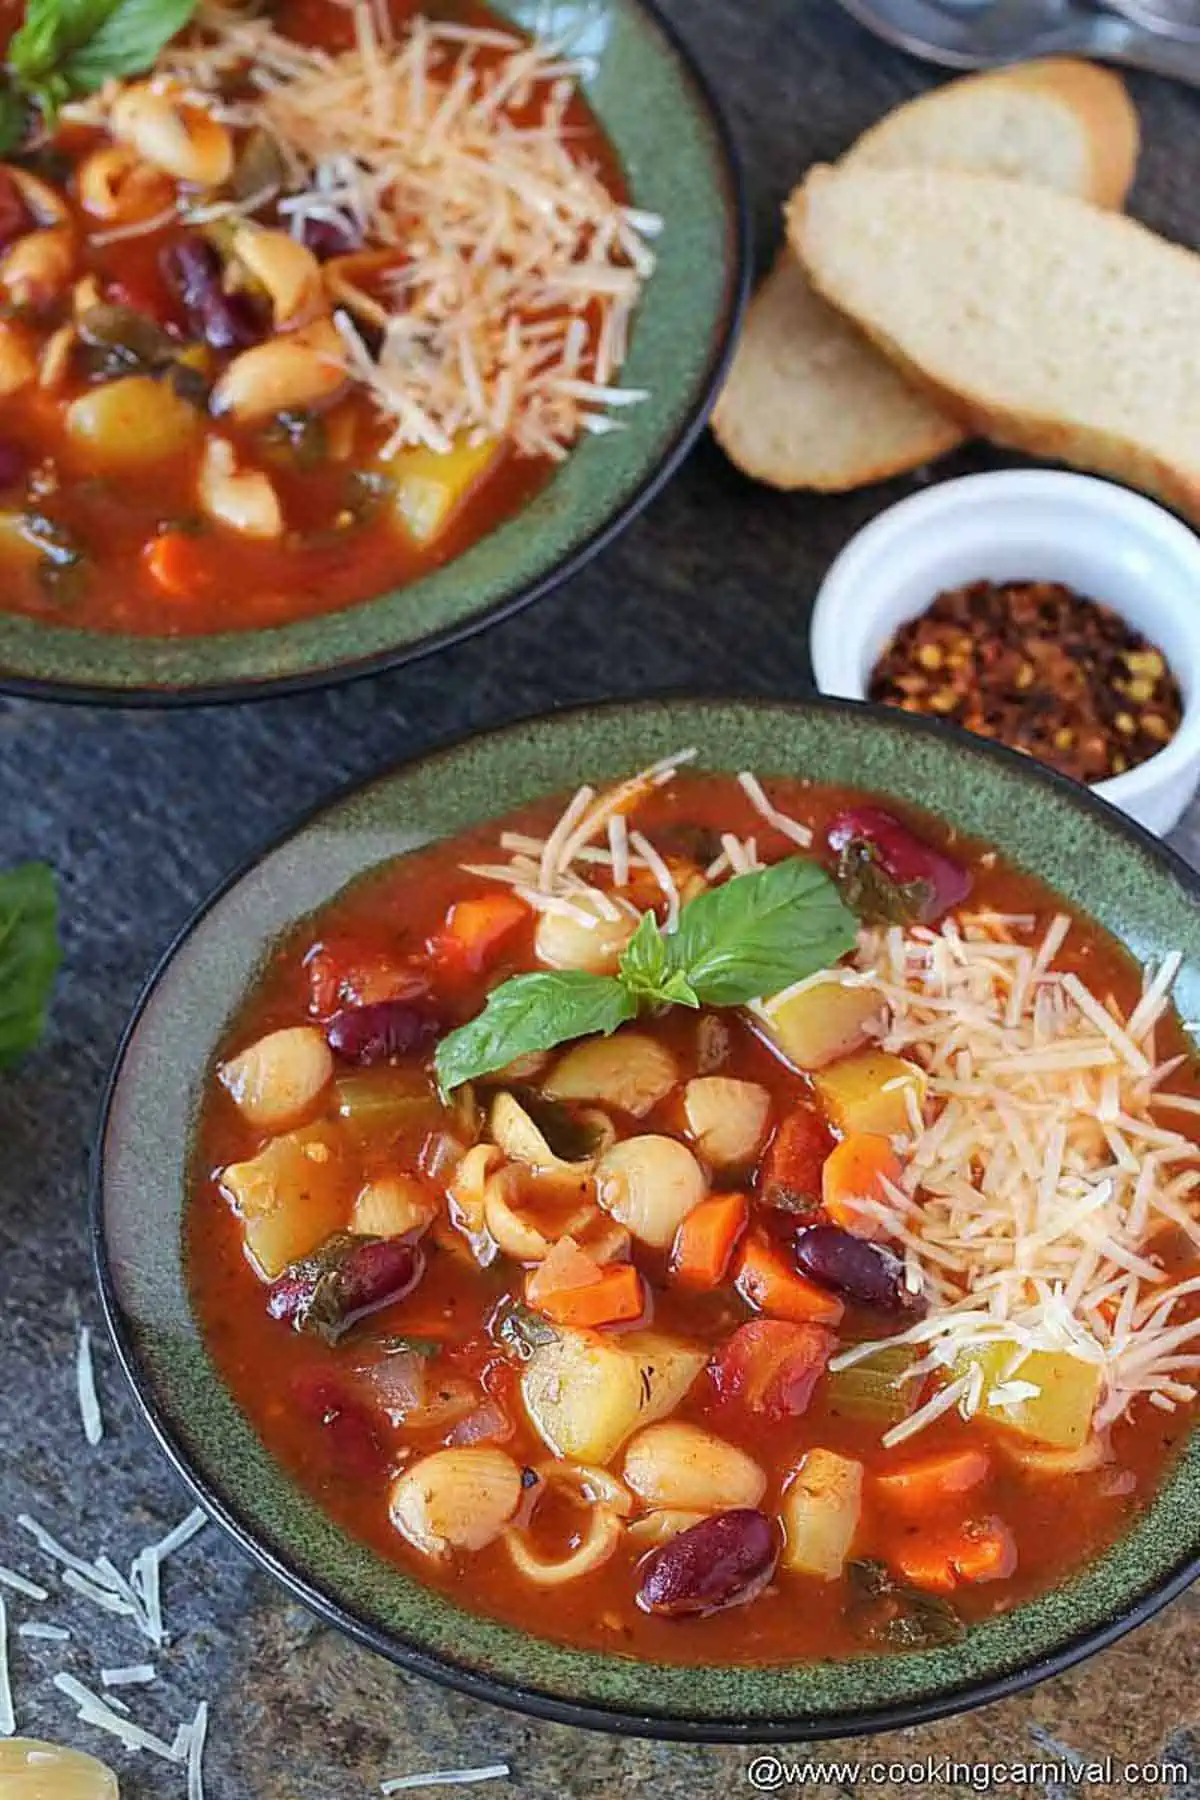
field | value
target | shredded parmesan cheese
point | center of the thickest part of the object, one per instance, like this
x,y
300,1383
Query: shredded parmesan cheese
x,y
506,305
21,1585
1036,1184
403,1784
8,1717
89,1405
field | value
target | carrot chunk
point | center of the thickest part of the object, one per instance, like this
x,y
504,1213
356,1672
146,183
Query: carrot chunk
x,y
566,1267
768,1283
921,1487
179,565
615,1297
704,1242
981,1550
792,1172
855,1171
475,929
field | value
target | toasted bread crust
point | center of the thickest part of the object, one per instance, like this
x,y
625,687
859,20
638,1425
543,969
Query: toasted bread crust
x,y
781,416
979,404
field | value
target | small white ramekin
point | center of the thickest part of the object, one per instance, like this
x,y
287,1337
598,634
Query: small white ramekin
x,y
1028,525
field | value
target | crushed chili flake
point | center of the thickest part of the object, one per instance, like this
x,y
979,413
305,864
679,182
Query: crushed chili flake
x,y
1040,668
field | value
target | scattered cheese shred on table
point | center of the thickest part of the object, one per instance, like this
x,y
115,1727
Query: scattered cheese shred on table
x,y
89,1404
402,1784
502,305
8,1717
1039,1180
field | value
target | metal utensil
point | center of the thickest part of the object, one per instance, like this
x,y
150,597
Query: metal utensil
x,y
990,32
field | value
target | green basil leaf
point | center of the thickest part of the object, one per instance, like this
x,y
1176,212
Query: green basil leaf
x,y
532,1012
70,47
126,42
50,31
29,955
644,959
760,932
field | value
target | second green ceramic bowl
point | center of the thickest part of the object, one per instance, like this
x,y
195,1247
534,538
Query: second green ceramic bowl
x,y
675,149
1094,856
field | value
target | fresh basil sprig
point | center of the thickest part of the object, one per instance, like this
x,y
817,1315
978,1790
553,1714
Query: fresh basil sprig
x,y
29,956
752,936
66,48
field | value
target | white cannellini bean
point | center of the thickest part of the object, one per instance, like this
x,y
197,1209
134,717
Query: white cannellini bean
x,y
593,941
679,1465
456,1499
175,136
727,1118
650,1184
278,1079
243,499
629,1070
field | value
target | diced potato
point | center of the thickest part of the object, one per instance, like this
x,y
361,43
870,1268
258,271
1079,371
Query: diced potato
x,y
868,1092
675,1464
277,1080
650,1184
820,1019
822,1506
430,486
131,424
392,1206
630,1071
727,1118
1060,1414
292,1195
586,1393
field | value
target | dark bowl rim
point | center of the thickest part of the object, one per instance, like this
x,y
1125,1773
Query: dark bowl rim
x,y
446,1671
739,242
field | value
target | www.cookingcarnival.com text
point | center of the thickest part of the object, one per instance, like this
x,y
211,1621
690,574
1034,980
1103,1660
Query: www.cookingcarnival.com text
x,y
772,1774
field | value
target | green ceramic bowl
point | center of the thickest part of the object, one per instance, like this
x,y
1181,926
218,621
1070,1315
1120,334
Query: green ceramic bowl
x,y
673,143
1090,853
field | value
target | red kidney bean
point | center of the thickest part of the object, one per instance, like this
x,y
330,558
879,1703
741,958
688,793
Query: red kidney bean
x,y
345,1281
723,1561
936,881
193,271
862,1271
380,1032
330,237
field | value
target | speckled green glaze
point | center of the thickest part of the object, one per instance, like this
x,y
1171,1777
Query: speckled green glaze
x,y
674,149
1088,852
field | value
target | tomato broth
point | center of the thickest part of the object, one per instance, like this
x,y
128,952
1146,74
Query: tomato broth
x,y
349,1435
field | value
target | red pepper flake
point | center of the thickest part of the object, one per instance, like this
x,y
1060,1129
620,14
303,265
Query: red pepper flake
x,y
1039,668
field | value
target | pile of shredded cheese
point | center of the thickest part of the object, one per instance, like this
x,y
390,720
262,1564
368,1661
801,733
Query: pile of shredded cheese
x,y
1042,1170
516,272
1042,1167
551,874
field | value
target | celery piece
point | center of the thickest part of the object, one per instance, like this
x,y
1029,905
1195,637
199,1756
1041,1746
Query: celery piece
x,y
385,1103
874,1389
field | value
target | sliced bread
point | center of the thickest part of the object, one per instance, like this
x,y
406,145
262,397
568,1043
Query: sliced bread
x,y
807,403
1033,318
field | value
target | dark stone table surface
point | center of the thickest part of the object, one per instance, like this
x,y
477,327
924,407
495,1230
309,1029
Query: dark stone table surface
x,y
141,814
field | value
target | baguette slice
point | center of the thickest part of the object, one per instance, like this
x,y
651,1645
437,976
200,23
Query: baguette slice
x,y
808,404
1035,319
